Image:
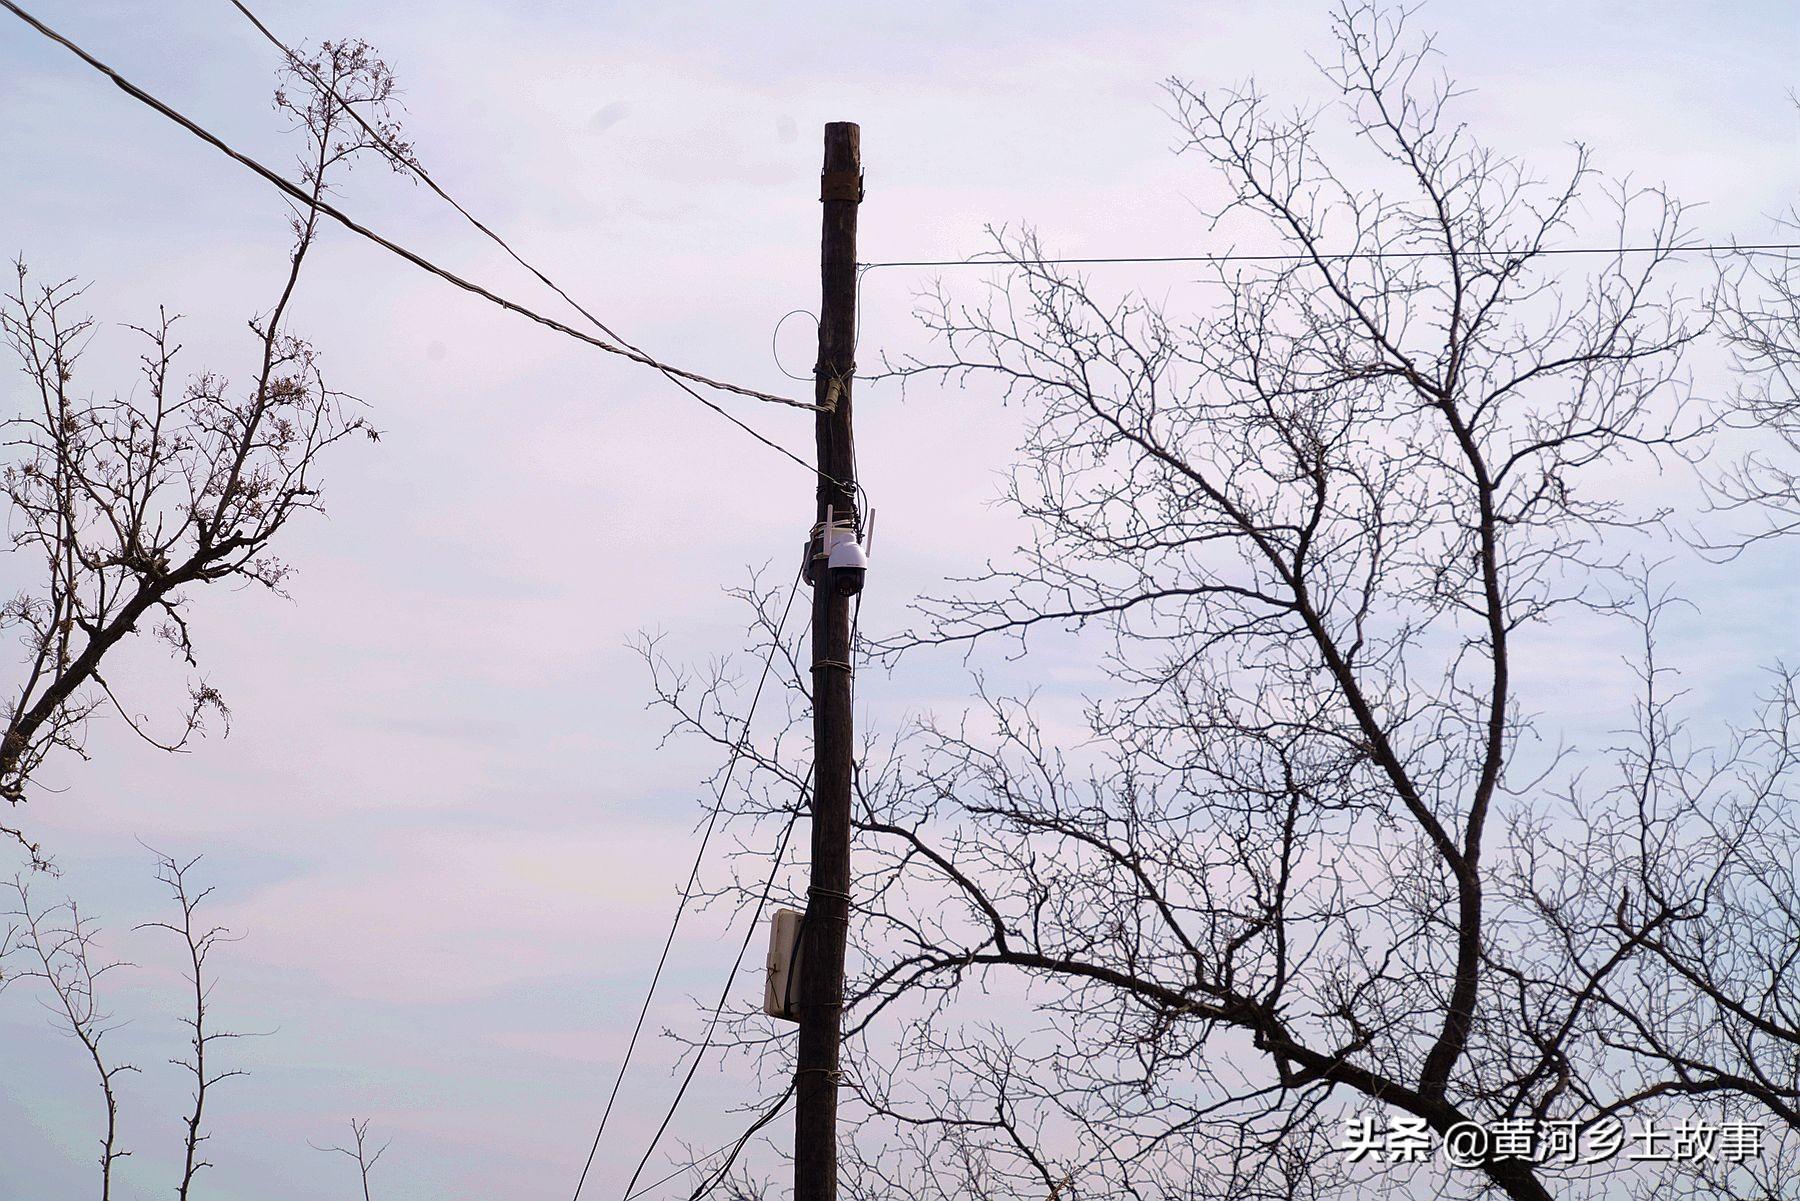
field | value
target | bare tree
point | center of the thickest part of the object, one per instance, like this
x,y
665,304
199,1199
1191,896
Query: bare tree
x,y
58,945
1672,904
199,939
359,1152
128,502
1313,861
1760,316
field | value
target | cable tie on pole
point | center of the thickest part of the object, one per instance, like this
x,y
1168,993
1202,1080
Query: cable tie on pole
x,y
838,528
833,1075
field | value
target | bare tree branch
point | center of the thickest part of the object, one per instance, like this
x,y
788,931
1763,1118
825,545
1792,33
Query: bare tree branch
x,y
359,1152
130,502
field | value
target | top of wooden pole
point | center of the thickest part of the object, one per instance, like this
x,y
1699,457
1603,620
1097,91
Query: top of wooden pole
x,y
841,176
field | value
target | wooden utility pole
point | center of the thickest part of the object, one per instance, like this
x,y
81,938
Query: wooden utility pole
x,y
821,1001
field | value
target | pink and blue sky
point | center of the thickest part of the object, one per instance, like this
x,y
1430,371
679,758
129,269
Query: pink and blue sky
x,y
440,820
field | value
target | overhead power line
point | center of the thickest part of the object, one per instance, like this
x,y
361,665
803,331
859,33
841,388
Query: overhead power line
x,y
298,193
687,893
412,164
1301,257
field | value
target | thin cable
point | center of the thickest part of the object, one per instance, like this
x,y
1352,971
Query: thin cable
x,y
412,164
775,350
724,994
720,1173
1307,258
296,192
687,892
734,1146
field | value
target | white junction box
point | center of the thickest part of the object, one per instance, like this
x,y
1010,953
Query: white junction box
x,y
782,980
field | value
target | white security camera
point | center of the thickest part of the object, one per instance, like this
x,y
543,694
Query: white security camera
x,y
849,565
